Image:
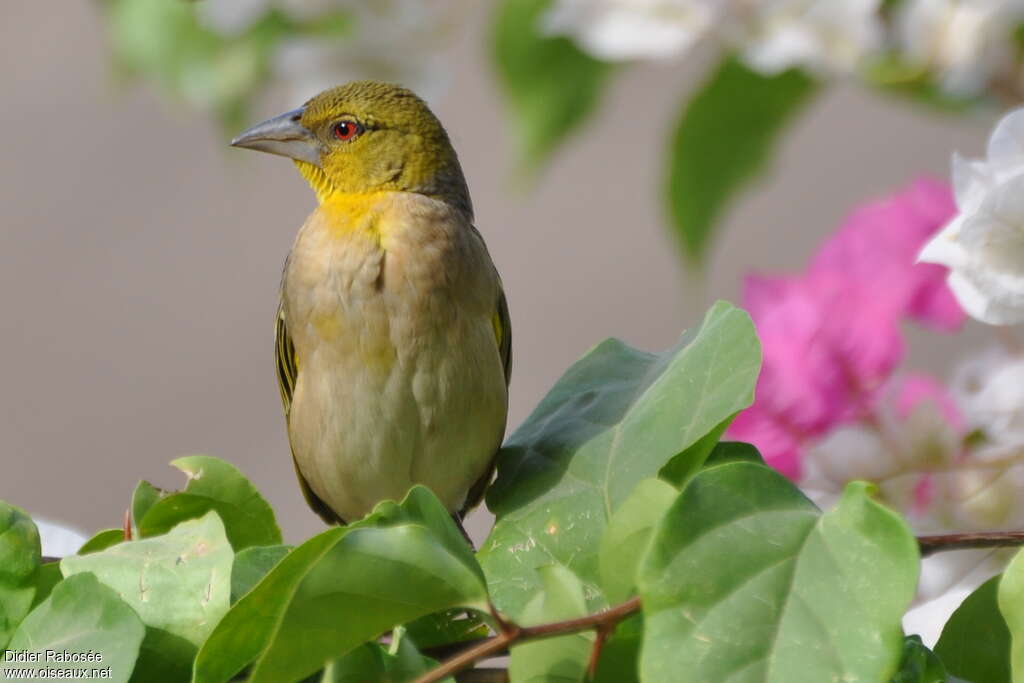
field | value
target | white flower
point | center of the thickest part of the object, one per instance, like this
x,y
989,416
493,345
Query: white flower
x,y
984,244
968,42
891,450
401,41
820,35
617,30
989,390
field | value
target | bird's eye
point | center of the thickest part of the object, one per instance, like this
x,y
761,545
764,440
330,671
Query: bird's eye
x,y
347,130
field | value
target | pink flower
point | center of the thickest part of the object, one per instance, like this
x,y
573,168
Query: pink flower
x,y
878,245
780,447
799,381
831,337
914,392
917,389
828,345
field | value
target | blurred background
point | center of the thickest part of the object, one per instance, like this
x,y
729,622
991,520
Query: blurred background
x,y
140,256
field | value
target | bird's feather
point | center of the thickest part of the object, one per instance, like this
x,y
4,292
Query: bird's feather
x,y
503,335
287,370
287,364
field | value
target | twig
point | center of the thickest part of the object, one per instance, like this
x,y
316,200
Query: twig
x,y
979,539
504,626
513,633
604,622
451,649
488,648
603,631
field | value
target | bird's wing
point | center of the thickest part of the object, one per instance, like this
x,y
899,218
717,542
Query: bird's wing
x,y
503,336
503,333
287,364
287,371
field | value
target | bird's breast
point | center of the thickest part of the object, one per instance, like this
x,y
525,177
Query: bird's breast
x,y
367,274
400,379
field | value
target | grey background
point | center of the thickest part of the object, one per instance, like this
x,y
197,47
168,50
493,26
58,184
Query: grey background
x,y
139,257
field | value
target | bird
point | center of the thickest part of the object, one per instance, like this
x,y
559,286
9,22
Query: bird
x,y
393,341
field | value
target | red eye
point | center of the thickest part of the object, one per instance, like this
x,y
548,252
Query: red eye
x,y
347,130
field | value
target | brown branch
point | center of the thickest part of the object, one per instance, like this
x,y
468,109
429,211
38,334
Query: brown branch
x,y
471,652
971,540
603,631
517,634
451,649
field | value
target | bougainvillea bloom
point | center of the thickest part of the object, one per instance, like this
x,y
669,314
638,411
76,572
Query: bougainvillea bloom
x,y
984,243
831,336
879,242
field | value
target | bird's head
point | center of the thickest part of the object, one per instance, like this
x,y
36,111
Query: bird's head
x,y
365,137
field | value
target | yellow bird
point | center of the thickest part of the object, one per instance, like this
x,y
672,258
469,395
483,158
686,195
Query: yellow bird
x,y
393,339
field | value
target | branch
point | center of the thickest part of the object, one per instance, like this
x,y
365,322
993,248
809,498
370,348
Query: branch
x,y
971,540
513,633
471,652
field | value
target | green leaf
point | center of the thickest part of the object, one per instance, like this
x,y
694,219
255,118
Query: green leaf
x,y
620,657
684,465
742,575
892,74
614,419
179,582
20,555
101,541
446,627
551,86
562,659
920,665
723,140
371,662
81,615
421,507
215,485
629,530
144,497
733,451
167,43
975,643
46,577
251,565
1011,605
342,588
164,657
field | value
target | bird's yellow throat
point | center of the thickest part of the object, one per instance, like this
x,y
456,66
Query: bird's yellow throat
x,y
317,179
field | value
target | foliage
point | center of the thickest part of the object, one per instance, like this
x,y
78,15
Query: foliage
x,y
554,59
793,595
551,85
166,42
617,417
975,643
82,615
635,543
725,138
730,125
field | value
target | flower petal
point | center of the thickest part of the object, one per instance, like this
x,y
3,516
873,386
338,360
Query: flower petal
x,y
1006,144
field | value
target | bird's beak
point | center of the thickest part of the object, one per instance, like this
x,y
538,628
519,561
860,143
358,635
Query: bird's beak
x,y
282,135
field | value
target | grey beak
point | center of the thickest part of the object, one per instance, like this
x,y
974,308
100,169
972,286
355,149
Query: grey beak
x,y
282,135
